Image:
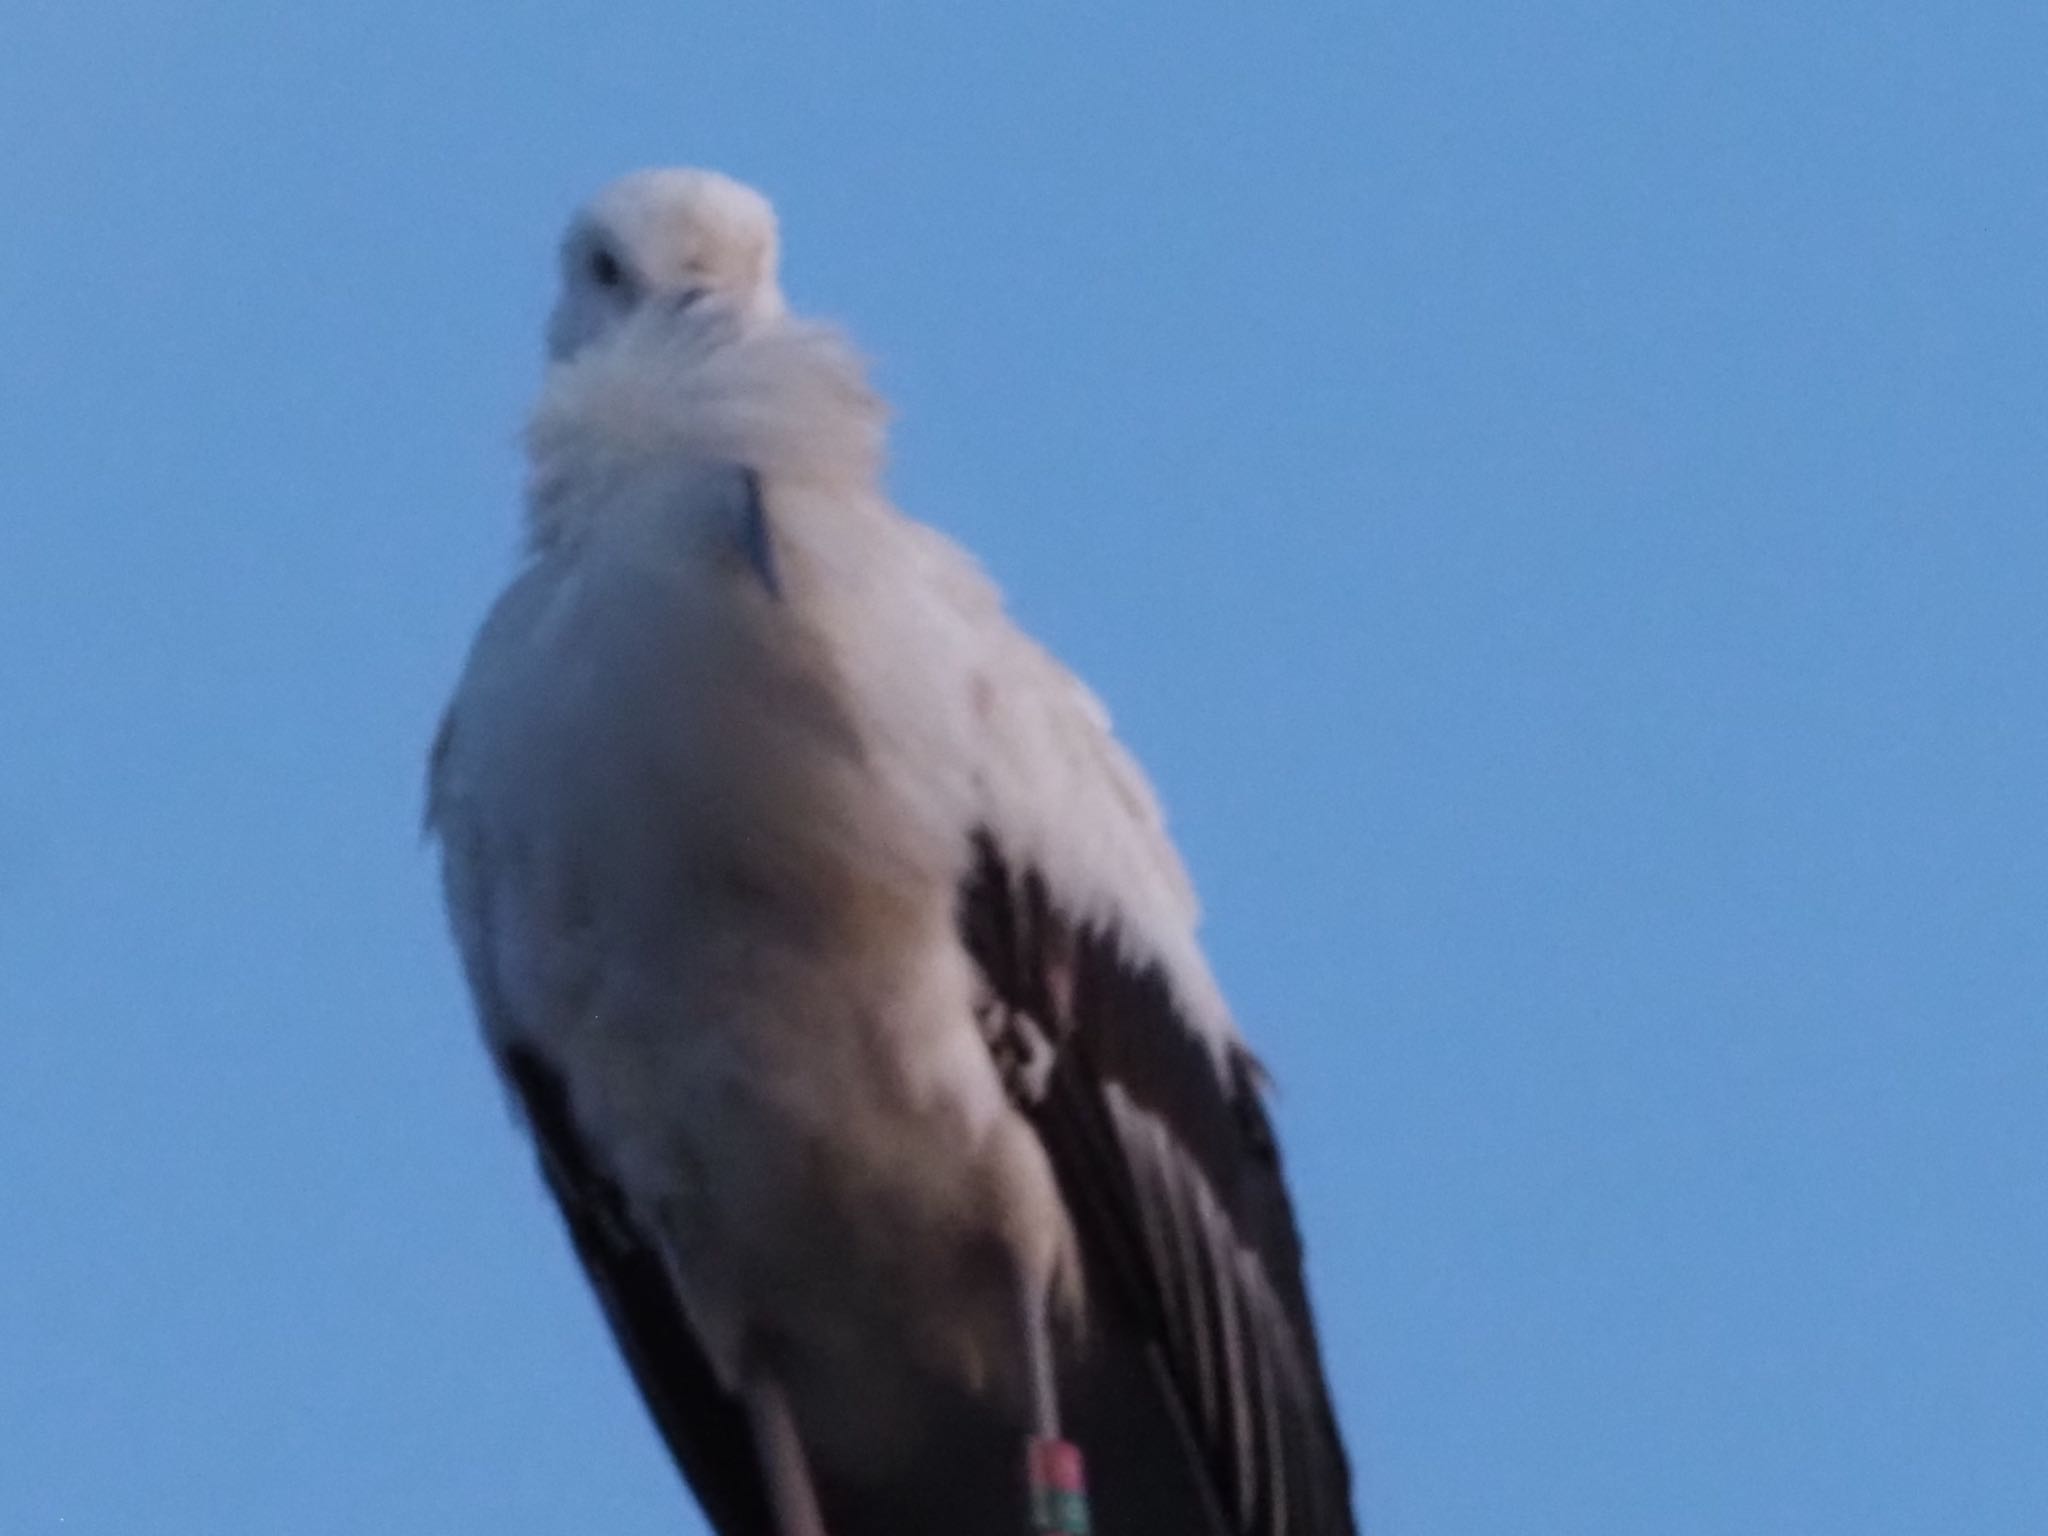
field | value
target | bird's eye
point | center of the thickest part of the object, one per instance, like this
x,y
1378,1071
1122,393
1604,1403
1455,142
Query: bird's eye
x,y
605,269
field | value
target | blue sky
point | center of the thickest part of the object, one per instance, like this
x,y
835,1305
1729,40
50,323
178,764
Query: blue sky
x,y
1554,493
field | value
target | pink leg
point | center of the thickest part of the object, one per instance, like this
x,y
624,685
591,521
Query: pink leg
x,y
790,1495
1059,1490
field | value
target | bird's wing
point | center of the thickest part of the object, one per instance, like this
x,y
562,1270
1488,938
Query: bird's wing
x,y
705,1427
1151,1114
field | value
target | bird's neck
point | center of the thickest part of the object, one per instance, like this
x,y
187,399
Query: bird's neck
x,y
786,400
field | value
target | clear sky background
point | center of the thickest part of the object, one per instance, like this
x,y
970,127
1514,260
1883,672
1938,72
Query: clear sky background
x,y
1554,492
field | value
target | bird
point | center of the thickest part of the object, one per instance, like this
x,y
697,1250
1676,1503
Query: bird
x,y
837,960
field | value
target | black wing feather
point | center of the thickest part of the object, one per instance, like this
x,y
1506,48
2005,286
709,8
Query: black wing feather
x,y
1139,1124
704,1426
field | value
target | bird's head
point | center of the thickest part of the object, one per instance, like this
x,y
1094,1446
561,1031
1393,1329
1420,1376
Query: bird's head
x,y
673,240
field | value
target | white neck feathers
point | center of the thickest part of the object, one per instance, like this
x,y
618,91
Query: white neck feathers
x,y
786,399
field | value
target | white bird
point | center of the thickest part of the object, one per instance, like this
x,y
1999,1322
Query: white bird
x,y
840,964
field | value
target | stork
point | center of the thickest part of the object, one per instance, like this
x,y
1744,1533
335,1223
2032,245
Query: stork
x,y
840,965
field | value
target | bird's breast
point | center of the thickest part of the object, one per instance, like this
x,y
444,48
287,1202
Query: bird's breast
x,y
721,924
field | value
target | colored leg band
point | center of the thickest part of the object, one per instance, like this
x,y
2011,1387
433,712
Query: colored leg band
x,y
1059,1489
